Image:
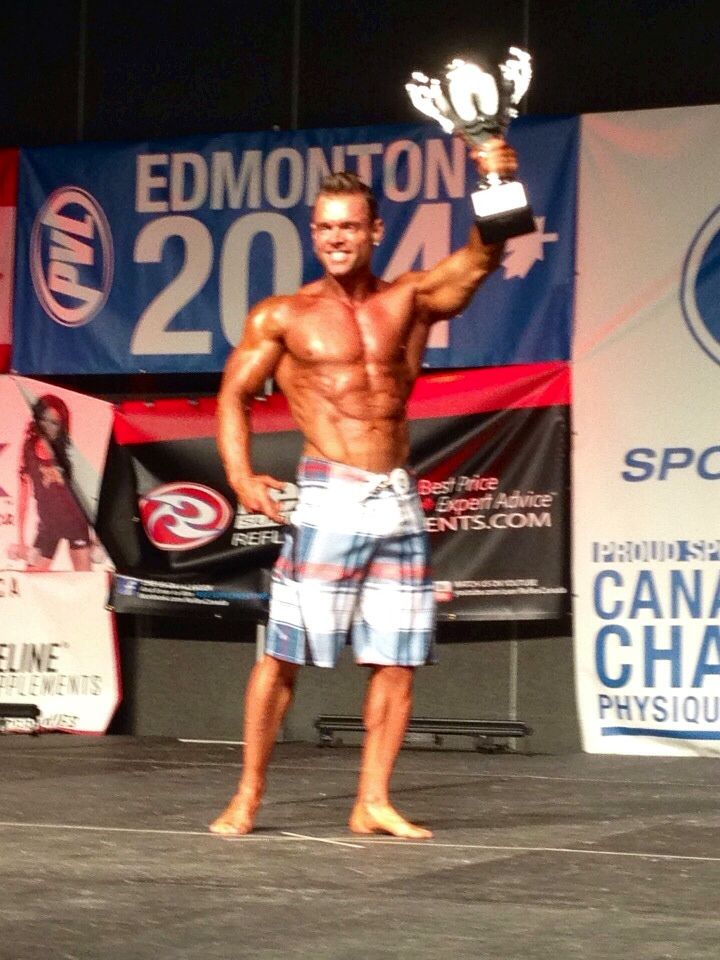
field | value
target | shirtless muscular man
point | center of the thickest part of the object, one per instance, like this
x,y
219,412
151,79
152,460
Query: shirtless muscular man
x,y
345,350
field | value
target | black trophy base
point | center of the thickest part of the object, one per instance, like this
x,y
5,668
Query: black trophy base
x,y
502,210
499,227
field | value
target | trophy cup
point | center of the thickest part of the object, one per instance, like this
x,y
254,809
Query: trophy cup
x,y
473,103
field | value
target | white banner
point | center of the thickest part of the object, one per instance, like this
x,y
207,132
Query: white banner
x,y
58,649
647,454
53,444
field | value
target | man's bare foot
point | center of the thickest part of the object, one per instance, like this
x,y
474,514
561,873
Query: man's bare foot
x,y
383,818
238,817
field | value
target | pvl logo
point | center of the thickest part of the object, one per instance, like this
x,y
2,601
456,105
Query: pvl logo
x,y
700,287
71,256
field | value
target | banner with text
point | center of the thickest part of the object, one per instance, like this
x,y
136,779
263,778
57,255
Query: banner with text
x,y
8,194
147,257
490,449
646,466
58,650
53,444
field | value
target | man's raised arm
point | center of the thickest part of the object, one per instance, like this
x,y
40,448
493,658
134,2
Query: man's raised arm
x,y
247,369
448,287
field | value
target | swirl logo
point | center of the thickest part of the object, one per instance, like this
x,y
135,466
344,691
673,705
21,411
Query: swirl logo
x,y
184,516
700,288
71,257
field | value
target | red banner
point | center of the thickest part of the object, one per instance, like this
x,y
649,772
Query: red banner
x,y
8,195
490,451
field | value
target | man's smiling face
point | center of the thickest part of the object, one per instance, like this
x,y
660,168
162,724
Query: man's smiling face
x,y
343,234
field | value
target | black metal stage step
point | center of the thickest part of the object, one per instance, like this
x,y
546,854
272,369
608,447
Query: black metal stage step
x,y
485,732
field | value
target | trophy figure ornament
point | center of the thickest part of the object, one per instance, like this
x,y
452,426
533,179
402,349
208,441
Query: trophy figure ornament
x,y
478,105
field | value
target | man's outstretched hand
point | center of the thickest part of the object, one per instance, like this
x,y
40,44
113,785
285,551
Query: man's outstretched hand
x,y
253,493
495,156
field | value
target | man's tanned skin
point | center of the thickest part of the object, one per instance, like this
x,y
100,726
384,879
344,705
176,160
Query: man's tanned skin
x,y
345,351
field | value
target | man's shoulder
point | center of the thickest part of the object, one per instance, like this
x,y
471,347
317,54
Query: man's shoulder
x,y
273,316
273,312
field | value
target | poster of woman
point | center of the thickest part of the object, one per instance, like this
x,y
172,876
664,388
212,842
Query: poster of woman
x,y
45,473
53,444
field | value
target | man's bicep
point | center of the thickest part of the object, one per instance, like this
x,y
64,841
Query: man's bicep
x,y
447,288
250,366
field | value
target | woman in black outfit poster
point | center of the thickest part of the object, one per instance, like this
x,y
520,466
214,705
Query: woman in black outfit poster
x,y
46,474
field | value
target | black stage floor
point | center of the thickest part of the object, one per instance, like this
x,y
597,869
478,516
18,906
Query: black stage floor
x,y
104,854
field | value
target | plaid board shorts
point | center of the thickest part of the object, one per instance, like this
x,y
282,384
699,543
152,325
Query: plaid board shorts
x,y
354,565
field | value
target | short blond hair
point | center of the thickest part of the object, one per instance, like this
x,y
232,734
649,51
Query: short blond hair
x,y
345,182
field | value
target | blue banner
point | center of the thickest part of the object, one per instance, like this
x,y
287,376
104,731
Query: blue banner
x,y
147,257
